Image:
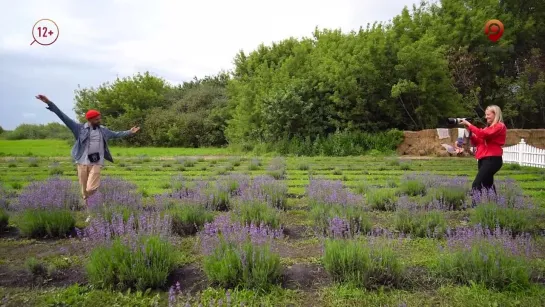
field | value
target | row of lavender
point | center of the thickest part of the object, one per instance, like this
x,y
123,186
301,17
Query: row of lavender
x,y
134,238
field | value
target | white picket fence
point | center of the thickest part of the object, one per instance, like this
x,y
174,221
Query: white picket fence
x,y
524,155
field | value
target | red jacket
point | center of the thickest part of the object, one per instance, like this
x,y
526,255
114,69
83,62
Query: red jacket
x,y
489,141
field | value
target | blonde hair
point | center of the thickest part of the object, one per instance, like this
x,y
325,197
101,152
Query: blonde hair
x,y
498,117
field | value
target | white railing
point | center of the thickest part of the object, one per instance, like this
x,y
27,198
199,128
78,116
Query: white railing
x,y
524,155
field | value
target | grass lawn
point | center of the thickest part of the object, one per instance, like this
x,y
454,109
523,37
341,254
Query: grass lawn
x,y
305,280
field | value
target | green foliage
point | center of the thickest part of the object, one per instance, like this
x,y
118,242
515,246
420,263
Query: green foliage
x,y
421,224
485,263
361,264
38,132
38,223
120,266
77,295
250,266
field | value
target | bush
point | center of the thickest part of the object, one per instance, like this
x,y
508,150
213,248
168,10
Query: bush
x,y
363,265
46,222
249,266
338,144
140,264
421,223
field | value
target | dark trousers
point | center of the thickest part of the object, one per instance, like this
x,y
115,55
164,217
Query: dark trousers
x,y
488,167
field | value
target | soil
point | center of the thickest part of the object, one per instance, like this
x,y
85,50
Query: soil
x,y
297,232
21,278
306,277
192,279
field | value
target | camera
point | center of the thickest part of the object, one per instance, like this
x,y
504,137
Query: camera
x,y
455,121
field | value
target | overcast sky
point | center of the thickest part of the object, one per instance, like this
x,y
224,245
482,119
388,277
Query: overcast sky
x,y
173,39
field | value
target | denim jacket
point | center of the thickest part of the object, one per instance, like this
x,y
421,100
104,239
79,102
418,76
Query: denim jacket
x,y
81,133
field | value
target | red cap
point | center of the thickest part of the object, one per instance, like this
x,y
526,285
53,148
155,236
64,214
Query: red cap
x,y
92,114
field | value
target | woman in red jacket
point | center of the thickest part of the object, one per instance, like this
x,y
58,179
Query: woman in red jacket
x,y
488,142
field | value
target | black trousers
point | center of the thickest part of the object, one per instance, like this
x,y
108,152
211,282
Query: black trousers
x,y
488,167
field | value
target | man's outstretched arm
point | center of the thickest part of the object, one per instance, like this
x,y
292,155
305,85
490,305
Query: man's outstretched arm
x,y
120,134
70,123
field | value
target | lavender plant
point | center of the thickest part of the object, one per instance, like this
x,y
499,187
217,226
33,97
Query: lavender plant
x,y
494,258
223,228
277,168
329,199
116,195
46,208
491,215
368,265
54,193
145,263
381,199
102,231
240,255
268,190
431,224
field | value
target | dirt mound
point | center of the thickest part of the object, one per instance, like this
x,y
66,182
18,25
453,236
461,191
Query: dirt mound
x,y
427,142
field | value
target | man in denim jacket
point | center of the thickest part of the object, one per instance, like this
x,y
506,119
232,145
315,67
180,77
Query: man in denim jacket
x,y
91,147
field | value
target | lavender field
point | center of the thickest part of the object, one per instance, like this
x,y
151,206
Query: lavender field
x,y
270,231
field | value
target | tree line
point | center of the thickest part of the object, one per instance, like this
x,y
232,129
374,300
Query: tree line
x,y
428,63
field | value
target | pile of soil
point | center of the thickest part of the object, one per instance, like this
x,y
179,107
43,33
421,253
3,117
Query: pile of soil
x,y
427,142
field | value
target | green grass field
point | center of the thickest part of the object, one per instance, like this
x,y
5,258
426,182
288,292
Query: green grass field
x,y
305,284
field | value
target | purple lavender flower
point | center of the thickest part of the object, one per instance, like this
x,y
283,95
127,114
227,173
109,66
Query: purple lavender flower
x,y
116,192
222,228
331,193
102,231
468,237
54,193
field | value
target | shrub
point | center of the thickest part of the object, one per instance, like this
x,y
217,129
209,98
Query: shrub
x,y
140,264
250,266
421,223
364,265
52,222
